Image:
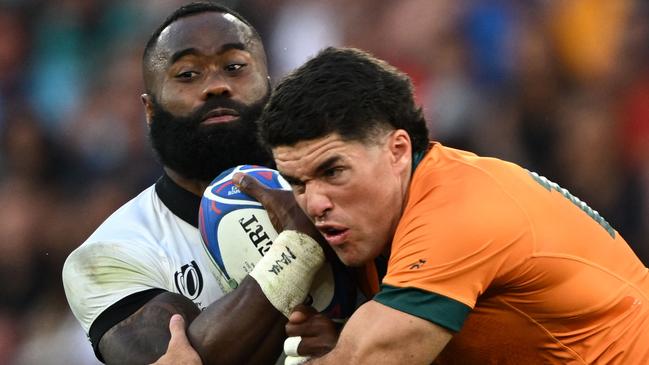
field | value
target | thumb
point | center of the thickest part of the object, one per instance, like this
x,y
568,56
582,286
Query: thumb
x,y
301,313
250,185
177,329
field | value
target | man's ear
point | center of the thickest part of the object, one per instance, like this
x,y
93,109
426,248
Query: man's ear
x,y
400,147
147,100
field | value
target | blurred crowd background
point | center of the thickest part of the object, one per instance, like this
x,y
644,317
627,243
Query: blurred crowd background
x,y
558,86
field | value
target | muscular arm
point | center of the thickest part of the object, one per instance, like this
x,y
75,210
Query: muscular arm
x,y
240,328
243,327
377,334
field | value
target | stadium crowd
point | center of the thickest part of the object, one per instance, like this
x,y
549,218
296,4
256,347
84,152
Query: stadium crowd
x,y
560,87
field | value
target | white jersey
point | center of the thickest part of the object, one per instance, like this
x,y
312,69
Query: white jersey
x,y
150,245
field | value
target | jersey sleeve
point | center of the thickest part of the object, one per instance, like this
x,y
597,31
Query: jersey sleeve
x,y
98,275
452,243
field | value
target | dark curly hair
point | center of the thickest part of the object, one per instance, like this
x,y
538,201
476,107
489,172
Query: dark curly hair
x,y
344,91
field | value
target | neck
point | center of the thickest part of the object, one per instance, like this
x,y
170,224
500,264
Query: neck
x,y
405,183
196,187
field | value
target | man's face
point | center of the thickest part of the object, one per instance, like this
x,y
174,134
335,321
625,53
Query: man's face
x,y
353,192
209,85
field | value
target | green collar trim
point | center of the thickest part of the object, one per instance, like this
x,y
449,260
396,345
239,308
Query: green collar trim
x,y
416,159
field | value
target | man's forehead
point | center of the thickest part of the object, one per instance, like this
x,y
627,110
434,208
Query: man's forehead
x,y
305,157
206,31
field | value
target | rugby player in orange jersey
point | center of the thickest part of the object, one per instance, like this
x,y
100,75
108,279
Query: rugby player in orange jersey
x,y
488,262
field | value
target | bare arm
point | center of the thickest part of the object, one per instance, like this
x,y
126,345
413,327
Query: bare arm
x,y
179,351
243,327
377,334
142,337
240,328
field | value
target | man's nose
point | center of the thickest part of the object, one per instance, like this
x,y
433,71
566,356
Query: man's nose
x,y
216,85
316,202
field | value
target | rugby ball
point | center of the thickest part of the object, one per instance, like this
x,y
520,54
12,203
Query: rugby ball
x,y
237,232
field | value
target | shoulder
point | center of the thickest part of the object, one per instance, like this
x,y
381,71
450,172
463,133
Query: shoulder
x,y
100,273
124,237
464,210
462,192
129,241
463,174
140,215
120,258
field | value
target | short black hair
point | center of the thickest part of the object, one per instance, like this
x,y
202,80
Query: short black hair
x,y
344,91
185,11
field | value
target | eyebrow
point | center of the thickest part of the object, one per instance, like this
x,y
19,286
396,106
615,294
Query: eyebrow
x,y
326,164
230,46
292,180
195,52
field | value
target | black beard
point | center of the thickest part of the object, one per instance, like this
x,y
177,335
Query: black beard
x,y
201,152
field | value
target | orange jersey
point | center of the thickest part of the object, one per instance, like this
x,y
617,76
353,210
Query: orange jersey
x,y
526,272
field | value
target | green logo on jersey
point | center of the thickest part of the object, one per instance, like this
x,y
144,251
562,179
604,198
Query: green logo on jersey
x,y
549,185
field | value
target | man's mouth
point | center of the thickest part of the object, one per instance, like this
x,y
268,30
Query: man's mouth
x,y
335,235
220,115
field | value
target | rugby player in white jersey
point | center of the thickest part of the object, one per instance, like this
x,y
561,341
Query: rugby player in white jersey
x,y
206,82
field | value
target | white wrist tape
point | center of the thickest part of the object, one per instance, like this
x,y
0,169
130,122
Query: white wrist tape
x,y
296,360
291,344
287,269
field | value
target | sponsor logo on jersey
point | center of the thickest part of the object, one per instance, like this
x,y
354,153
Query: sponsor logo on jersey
x,y
418,264
189,280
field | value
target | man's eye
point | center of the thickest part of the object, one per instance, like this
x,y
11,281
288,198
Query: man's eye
x,y
333,172
297,188
235,67
187,75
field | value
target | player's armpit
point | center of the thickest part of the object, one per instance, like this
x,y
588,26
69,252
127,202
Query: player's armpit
x,y
378,334
144,336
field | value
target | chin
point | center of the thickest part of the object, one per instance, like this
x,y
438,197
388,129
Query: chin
x,y
350,259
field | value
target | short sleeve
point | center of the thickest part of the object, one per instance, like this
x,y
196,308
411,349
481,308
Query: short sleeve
x,y
98,275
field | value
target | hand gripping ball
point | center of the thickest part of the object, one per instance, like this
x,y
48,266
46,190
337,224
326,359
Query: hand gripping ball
x,y
237,232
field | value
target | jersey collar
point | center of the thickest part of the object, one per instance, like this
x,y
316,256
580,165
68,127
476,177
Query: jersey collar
x,y
418,156
181,202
